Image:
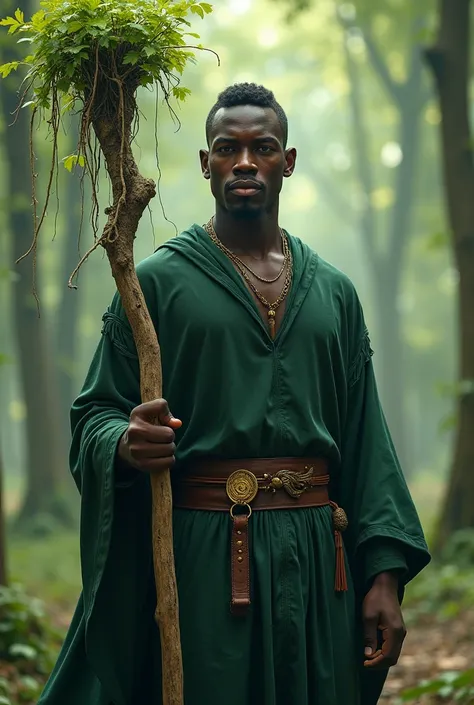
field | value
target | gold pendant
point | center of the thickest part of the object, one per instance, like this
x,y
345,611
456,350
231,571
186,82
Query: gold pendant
x,y
242,486
271,322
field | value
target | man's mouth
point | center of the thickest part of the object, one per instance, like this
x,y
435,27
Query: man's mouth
x,y
245,188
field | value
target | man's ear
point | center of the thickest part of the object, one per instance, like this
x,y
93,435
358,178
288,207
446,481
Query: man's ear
x,y
290,159
204,158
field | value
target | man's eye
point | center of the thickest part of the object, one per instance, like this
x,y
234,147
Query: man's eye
x,y
265,148
226,149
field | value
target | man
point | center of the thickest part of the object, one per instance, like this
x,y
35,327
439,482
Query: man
x,y
267,366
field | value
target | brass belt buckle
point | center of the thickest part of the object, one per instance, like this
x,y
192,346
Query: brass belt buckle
x,y
241,488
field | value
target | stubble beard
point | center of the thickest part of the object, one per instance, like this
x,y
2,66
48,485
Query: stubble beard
x,y
248,213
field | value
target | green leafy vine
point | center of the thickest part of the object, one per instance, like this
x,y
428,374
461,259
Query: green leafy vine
x,y
90,57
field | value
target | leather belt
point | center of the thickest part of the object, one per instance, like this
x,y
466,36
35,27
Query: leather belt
x,y
244,485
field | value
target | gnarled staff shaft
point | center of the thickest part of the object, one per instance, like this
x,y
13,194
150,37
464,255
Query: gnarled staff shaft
x,y
131,194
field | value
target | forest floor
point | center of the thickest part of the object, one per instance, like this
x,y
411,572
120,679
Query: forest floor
x,y
432,648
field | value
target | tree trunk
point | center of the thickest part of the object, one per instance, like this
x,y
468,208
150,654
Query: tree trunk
x,y
386,263
388,277
66,325
43,456
450,62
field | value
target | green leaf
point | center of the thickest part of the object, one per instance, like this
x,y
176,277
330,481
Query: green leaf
x,y
19,16
131,58
149,51
38,20
4,700
76,49
73,160
100,23
74,26
197,10
422,689
206,7
12,23
181,93
68,106
6,69
23,651
63,85
466,678
140,27
446,684
146,80
29,687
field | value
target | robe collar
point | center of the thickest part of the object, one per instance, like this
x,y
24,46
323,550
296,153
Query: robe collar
x,y
196,246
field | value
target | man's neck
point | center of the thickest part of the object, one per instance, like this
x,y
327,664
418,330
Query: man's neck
x,y
256,237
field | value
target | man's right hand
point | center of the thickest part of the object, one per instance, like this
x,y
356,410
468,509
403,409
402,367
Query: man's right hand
x,y
148,443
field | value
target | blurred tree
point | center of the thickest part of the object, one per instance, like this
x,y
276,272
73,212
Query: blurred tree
x,y
449,59
45,464
386,260
72,224
384,241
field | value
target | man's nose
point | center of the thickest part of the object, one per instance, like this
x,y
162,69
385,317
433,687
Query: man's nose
x,y
244,163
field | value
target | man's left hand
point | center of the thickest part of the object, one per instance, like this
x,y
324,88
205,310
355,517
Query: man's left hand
x,y
382,615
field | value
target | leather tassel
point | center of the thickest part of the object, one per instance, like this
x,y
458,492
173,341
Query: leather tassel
x,y
341,577
341,523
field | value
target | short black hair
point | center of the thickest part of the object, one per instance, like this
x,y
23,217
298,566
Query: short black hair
x,y
248,94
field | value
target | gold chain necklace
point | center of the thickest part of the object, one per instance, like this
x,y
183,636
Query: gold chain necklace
x,y
236,258
270,306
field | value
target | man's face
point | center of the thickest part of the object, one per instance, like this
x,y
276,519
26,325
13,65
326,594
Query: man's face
x,y
246,161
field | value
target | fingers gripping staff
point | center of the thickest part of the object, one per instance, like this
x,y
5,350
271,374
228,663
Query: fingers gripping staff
x,y
148,443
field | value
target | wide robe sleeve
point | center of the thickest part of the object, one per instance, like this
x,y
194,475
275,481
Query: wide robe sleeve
x,y
115,517
384,530
100,414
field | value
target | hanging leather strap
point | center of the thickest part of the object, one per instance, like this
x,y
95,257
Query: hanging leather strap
x,y
240,565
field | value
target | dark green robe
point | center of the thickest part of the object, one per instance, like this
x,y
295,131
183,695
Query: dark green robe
x,y
311,392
